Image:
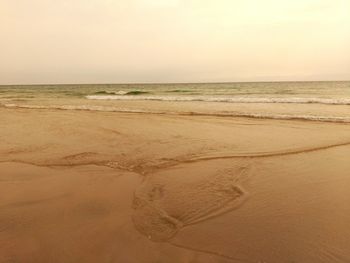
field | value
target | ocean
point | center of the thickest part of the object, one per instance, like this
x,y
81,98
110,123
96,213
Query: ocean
x,y
314,101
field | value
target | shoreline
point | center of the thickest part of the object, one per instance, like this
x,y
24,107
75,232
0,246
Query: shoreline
x,y
98,108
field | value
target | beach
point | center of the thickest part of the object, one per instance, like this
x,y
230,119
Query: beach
x,y
99,185
175,131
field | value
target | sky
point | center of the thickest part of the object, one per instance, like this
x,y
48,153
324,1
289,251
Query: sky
x,y
149,41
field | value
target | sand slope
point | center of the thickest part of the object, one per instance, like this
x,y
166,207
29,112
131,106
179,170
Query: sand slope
x,y
82,186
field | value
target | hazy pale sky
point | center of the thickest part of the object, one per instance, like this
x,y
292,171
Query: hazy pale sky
x,y
119,41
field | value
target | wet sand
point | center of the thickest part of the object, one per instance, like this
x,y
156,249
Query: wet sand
x,y
85,186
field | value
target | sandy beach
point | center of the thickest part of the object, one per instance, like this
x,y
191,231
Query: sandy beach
x,y
89,186
175,131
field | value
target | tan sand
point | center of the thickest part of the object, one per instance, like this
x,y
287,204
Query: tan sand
x,y
84,186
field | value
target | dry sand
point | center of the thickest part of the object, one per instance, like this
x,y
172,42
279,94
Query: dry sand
x,y
80,186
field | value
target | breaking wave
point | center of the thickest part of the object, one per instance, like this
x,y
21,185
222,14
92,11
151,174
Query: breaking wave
x,y
120,92
296,100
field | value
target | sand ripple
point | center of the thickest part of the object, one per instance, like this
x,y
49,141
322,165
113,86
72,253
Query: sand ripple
x,y
185,195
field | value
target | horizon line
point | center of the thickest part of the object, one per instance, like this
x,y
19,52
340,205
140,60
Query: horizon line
x,y
170,83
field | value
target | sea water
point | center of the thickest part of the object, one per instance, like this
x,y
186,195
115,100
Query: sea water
x,y
321,101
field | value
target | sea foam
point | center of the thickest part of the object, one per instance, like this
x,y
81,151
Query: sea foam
x,y
305,117
296,100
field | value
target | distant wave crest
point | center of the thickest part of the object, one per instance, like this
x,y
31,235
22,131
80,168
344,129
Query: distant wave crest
x,y
295,100
120,92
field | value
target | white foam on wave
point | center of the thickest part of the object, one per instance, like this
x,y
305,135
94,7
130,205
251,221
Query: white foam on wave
x,y
79,107
297,100
120,92
336,119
